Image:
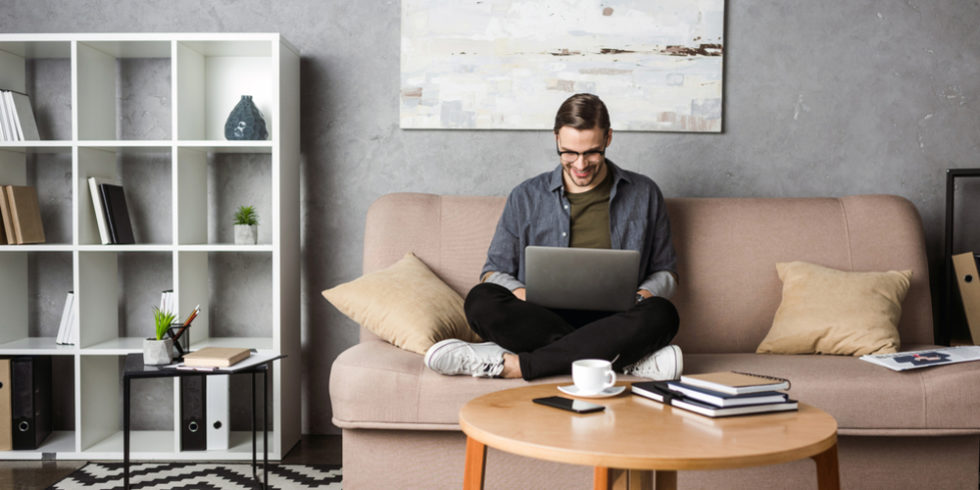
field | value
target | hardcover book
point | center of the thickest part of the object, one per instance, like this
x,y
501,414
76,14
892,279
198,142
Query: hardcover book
x,y
98,206
25,214
8,222
117,213
217,357
736,383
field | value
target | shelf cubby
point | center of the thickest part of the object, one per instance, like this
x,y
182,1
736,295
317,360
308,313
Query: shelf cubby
x,y
124,90
145,174
211,78
42,70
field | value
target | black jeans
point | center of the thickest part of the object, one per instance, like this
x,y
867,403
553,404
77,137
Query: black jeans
x,y
547,341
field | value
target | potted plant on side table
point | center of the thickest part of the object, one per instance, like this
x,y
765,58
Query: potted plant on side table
x,y
246,226
158,351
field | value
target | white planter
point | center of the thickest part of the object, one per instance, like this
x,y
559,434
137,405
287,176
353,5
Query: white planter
x,y
157,352
246,234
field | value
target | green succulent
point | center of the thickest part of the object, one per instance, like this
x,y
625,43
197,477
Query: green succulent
x,y
163,320
246,216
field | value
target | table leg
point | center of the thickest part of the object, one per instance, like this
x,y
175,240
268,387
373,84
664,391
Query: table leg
x,y
265,426
828,474
602,478
476,464
126,381
255,475
666,480
617,479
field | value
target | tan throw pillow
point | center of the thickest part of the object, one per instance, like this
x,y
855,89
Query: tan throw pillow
x,y
827,311
405,304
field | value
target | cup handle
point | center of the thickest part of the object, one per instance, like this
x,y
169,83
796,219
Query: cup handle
x,y
612,379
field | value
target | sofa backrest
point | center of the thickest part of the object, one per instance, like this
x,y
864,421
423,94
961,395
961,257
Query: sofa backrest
x,y
727,249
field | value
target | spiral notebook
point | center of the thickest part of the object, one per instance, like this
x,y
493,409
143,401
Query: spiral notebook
x,y
735,382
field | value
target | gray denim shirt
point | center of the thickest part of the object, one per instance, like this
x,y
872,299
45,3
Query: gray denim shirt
x,y
537,213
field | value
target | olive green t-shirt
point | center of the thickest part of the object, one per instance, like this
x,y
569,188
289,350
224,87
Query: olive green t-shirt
x,y
590,216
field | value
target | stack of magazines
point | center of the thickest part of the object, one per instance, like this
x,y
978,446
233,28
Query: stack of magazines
x,y
721,394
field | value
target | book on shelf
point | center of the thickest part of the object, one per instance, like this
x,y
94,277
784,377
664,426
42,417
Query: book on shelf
x,y
660,391
216,357
720,399
3,219
18,117
6,422
8,222
915,359
73,323
64,328
117,213
167,301
968,283
6,126
735,382
98,206
25,214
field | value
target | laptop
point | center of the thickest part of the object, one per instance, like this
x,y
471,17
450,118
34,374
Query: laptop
x,y
581,278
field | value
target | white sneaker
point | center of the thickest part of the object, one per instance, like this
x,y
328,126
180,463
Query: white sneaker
x,y
453,356
662,365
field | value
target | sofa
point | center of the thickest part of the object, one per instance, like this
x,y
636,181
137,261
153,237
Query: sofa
x,y
896,429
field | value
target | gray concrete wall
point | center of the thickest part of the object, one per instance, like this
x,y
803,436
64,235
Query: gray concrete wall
x,y
821,99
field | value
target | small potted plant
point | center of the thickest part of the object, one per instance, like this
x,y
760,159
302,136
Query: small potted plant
x,y
246,226
159,350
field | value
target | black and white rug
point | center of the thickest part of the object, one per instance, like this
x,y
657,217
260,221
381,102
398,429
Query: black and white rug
x,y
200,476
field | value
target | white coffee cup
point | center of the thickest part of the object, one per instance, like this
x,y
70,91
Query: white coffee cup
x,y
591,376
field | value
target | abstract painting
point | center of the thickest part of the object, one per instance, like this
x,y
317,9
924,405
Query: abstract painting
x,y
508,64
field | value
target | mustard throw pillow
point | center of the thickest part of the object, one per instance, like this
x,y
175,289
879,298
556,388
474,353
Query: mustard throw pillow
x,y
405,304
827,311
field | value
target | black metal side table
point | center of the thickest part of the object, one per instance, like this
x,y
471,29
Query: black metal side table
x,y
135,369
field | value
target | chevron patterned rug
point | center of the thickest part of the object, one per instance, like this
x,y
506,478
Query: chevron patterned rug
x,y
202,476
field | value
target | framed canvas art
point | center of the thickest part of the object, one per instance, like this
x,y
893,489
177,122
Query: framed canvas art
x,y
508,64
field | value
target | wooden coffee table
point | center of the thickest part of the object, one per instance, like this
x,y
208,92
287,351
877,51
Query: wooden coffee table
x,y
636,440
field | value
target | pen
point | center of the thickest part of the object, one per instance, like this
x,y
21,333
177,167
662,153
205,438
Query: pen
x,y
187,322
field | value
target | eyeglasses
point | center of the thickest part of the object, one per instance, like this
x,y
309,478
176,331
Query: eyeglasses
x,y
568,156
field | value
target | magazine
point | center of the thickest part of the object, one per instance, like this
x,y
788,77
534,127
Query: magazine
x,y
915,359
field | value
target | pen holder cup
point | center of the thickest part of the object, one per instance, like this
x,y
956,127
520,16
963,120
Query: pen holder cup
x,y
183,343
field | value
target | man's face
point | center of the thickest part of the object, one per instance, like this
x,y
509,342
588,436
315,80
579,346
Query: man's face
x,y
582,160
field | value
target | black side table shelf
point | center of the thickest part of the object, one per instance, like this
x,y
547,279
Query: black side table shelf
x,y
944,332
135,369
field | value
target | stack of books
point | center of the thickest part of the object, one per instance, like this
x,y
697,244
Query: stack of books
x,y
721,394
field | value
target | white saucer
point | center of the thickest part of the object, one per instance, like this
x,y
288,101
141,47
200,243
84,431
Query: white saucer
x,y
611,391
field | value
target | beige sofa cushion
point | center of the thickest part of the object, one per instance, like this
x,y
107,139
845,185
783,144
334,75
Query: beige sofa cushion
x,y
405,304
827,311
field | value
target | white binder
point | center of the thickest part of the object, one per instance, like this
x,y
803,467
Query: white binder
x,y
218,410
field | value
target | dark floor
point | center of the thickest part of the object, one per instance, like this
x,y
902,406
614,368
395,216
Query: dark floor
x,y
30,475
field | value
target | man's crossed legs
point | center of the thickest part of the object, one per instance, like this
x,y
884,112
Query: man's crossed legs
x,y
547,341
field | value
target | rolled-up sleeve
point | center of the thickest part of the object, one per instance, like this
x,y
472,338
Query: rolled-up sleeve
x,y
504,255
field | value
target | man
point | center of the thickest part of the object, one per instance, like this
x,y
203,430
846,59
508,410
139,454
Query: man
x,y
587,201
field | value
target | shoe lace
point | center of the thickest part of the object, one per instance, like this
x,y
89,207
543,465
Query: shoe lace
x,y
483,366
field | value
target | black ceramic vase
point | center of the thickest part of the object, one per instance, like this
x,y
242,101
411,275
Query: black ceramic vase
x,y
245,122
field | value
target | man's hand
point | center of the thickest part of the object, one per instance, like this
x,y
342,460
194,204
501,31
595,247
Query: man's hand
x,y
521,293
643,292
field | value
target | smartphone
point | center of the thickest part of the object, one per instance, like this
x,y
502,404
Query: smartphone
x,y
577,406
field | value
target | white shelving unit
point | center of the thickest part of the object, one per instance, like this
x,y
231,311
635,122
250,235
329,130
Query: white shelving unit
x,y
207,75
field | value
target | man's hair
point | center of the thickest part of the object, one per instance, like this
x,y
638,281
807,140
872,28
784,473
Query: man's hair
x,y
582,111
